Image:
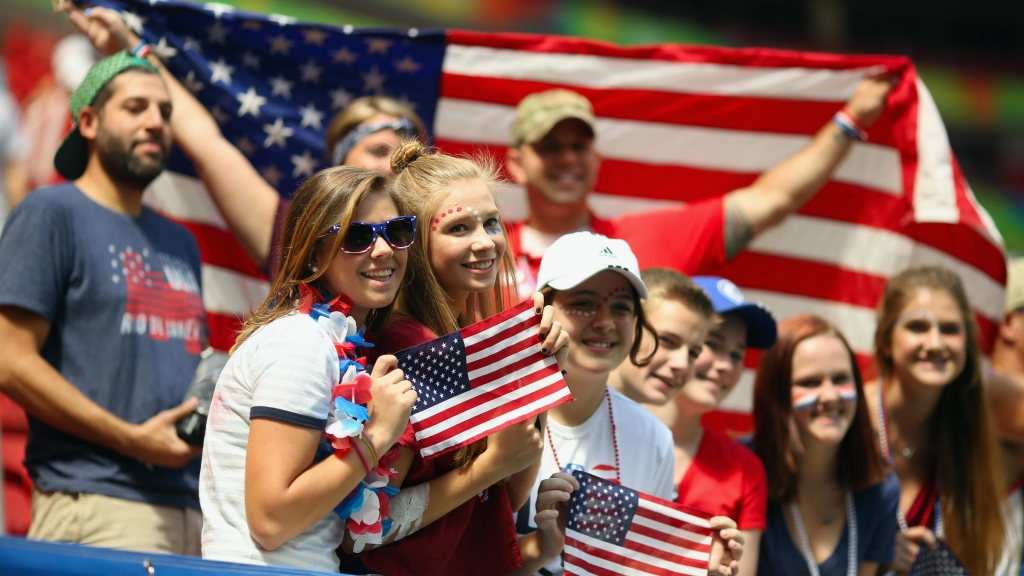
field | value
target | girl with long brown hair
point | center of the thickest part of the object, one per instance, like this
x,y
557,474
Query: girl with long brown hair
x,y
293,376
453,514
930,411
829,512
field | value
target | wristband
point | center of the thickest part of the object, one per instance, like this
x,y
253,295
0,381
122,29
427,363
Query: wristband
x,y
373,452
850,126
141,49
355,448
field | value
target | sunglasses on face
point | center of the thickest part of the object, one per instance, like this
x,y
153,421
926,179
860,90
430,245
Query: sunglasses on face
x,y
399,233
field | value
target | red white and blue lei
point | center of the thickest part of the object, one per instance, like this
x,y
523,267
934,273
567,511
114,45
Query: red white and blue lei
x,y
367,508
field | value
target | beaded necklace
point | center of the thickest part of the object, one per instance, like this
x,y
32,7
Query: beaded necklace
x,y
851,529
883,439
615,440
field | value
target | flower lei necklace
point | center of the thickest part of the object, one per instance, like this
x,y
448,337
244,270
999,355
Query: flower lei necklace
x,y
367,508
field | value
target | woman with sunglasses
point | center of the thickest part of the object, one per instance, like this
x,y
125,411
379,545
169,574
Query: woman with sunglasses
x,y
830,503
930,410
362,134
594,286
453,514
269,486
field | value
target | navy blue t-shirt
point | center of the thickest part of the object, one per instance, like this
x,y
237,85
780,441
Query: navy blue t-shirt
x,y
122,295
876,535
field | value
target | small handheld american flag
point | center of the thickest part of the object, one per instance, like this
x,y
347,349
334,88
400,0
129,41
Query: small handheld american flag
x,y
481,379
614,530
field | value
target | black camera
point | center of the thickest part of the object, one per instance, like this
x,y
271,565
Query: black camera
x,y
192,428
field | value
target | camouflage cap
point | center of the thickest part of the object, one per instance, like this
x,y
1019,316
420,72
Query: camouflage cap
x,y
73,154
538,113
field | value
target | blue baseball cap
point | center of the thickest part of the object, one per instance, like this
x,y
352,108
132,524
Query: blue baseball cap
x,y
726,297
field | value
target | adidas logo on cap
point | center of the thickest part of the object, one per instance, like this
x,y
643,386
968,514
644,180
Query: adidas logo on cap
x,y
607,251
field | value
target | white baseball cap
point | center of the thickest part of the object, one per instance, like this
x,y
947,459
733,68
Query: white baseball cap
x,y
575,257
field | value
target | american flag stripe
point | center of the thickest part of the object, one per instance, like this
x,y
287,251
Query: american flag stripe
x,y
475,338
668,516
471,57
868,165
613,529
592,551
744,112
518,356
506,414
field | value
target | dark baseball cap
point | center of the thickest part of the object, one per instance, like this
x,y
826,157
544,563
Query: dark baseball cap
x,y
73,155
726,297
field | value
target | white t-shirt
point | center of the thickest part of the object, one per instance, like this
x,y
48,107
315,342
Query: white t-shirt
x,y
646,455
284,371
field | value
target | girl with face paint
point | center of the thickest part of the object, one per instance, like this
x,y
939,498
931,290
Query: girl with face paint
x,y
930,411
596,289
453,514
829,511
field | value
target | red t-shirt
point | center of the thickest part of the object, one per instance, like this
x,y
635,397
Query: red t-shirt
x,y
726,479
922,511
688,238
478,537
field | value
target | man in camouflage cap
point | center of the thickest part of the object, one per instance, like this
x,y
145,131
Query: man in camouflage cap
x,y
553,156
102,323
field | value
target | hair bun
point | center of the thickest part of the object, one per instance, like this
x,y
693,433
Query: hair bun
x,y
406,153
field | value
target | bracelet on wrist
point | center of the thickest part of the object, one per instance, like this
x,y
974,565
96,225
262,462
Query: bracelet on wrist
x,y
141,50
849,125
355,448
373,451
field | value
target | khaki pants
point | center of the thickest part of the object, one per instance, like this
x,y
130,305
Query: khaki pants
x,y
108,522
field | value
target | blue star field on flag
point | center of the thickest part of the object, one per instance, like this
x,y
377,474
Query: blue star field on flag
x,y
273,85
436,369
602,509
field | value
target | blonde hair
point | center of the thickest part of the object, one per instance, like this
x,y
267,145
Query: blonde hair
x,y
970,476
423,180
329,197
361,110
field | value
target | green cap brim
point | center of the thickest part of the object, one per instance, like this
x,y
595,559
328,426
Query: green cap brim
x,y
72,156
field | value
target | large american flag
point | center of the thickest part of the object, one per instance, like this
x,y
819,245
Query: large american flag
x,y
675,124
483,378
612,529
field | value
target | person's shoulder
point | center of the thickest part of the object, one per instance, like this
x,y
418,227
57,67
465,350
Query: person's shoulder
x,y
294,329
640,421
883,495
55,197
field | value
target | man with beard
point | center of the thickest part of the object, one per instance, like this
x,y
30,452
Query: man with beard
x,y
102,323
